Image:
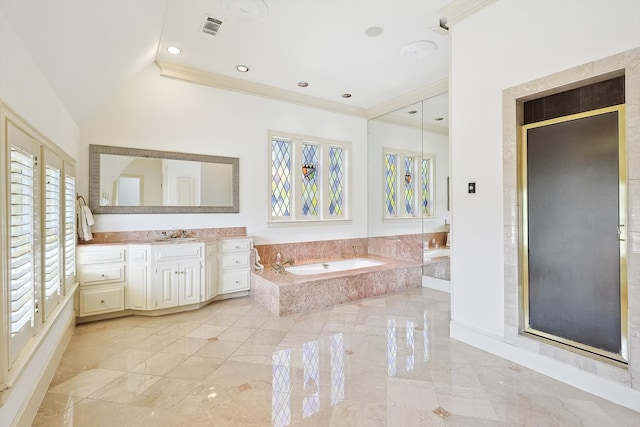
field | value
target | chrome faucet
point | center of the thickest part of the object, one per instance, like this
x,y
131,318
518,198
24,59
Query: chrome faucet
x,y
278,266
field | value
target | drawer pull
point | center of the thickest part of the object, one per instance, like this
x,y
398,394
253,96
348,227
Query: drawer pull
x,y
103,275
238,282
101,301
238,261
238,247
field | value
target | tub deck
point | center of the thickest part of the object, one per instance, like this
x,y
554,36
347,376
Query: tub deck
x,y
287,293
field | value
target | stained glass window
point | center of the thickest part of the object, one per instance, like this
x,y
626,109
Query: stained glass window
x,y
280,178
310,196
309,179
390,183
425,186
408,185
336,181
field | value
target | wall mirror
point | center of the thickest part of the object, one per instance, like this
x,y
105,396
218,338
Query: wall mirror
x,y
130,180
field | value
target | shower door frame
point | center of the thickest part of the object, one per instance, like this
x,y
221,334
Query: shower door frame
x,y
526,329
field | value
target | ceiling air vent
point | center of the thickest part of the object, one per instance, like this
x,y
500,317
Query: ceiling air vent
x,y
211,25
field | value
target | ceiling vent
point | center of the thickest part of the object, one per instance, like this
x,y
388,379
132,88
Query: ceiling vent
x,y
211,25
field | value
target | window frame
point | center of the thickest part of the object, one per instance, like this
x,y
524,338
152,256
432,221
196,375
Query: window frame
x,y
296,215
400,194
12,368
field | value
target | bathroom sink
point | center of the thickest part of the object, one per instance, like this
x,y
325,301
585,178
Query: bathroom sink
x,y
177,240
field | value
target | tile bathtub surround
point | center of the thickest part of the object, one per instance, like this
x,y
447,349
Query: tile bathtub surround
x,y
303,252
385,361
132,236
287,293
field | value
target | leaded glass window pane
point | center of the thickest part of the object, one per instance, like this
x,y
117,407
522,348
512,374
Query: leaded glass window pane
x,y
390,184
425,184
280,178
310,187
408,185
336,181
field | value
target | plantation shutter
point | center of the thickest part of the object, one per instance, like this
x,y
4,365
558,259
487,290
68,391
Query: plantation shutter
x,y
51,247
22,229
69,228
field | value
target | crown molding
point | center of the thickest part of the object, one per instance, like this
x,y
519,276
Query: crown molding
x,y
458,10
220,81
437,88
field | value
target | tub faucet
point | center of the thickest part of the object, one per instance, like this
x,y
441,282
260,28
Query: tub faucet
x,y
279,265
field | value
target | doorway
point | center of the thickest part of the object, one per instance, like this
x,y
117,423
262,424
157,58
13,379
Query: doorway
x,y
573,174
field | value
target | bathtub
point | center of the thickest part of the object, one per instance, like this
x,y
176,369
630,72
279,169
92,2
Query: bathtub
x,y
332,266
430,254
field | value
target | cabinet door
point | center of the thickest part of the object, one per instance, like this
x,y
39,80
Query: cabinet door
x,y
211,273
190,279
165,291
136,290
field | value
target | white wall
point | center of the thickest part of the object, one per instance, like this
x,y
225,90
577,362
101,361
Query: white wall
x,y
509,43
25,90
383,134
159,113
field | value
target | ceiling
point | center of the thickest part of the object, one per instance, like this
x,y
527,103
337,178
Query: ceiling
x,y
90,49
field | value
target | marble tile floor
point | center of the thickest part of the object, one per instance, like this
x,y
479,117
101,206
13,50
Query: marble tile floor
x,y
385,361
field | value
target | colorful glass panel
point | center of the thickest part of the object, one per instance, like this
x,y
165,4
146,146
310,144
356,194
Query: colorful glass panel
x,y
336,181
310,187
390,184
280,178
425,184
408,185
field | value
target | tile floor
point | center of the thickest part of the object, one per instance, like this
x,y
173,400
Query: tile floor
x,y
384,361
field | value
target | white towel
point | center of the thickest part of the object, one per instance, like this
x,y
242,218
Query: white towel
x,y
85,221
256,258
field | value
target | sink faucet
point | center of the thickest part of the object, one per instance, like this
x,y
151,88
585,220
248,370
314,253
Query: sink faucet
x,y
278,266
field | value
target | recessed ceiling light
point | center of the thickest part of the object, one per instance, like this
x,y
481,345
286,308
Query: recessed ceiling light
x,y
439,119
303,84
346,95
174,50
412,112
419,50
374,31
242,68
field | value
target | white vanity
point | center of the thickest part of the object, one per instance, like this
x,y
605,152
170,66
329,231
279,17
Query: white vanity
x,y
160,277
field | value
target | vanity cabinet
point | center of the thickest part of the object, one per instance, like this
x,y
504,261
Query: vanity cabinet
x,y
177,275
102,274
147,276
235,265
135,295
211,279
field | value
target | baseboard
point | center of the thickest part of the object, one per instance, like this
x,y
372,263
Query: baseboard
x,y
586,381
437,284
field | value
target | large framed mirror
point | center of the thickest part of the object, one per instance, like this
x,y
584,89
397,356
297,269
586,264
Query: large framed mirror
x,y
130,180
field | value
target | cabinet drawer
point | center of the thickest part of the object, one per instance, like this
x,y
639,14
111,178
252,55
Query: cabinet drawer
x,y
176,251
233,281
101,300
139,253
101,254
98,274
235,245
238,260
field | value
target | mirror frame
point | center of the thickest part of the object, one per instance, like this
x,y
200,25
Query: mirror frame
x,y
95,151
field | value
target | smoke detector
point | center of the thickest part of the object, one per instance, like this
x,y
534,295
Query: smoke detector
x,y
419,50
248,10
211,25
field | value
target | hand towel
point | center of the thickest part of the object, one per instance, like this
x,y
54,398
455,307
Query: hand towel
x,y
85,221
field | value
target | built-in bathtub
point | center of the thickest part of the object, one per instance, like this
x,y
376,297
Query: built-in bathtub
x,y
289,293
332,266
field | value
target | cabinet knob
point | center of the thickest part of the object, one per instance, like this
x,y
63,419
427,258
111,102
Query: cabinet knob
x,y
237,261
103,275
237,282
101,301
238,247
